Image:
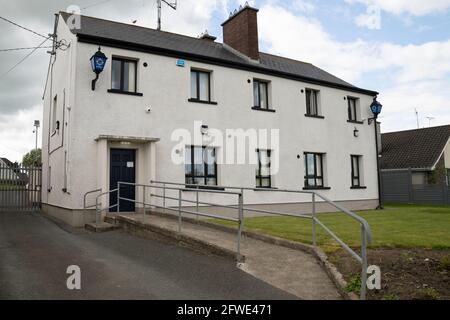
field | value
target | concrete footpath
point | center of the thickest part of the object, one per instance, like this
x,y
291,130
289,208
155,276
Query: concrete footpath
x,y
294,271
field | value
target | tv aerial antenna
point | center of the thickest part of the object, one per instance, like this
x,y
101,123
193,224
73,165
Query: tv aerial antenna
x,y
429,120
172,4
417,117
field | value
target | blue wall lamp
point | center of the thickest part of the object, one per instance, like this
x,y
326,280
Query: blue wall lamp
x,y
98,61
375,107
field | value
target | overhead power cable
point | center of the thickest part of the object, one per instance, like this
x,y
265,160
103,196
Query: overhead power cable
x,y
95,4
27,48
23,59
22,27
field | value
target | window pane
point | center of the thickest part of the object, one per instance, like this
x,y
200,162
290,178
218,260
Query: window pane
x,y
187,160
310,164
263,95
255,93
352,108
200,181
311,182
264,158
116,74
258,182
265,182
189,180
204,86
314,103
199,170
126,76
194,85
210,160
198,155
265,171
355,165
308,101
319,182
318,165
130,76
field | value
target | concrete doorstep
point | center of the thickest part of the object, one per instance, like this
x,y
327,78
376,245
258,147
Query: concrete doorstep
x,y
101,227
287,265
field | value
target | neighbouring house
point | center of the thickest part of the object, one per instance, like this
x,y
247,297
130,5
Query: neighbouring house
x,y
157,83
415,165
10,172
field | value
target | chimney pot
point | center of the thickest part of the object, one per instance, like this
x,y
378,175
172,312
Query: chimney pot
x,y
206,36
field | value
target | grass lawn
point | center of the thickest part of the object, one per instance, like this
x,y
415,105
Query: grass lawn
x,y
397,226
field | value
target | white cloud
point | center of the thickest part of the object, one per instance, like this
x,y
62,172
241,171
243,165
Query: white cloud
x,y
371,19
303,6
416,76
350,60
16,132
430,98
412,7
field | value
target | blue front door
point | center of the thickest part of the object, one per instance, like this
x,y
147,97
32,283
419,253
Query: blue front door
x,y
122,168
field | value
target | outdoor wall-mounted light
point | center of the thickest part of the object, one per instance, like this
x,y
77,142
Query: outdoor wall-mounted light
x,y
98,61
204,129
356,133
375,107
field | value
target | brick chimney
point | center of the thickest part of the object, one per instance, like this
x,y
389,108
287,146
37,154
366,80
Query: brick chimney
x,y
240,31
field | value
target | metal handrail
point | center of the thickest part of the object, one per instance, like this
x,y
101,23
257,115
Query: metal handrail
x,y
180,199
86,194
366,236
99,210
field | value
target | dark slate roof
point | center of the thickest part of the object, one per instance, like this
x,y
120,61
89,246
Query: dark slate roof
x,y
7,162
122,35
415,149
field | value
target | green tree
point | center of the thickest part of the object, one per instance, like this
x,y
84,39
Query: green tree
x,y
33,158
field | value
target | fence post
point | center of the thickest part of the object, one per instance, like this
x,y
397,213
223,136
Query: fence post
x,y
364,263
179,210
96,211
410,187
143,202
164,197
197,202
444,193
241,222
314,240
118,197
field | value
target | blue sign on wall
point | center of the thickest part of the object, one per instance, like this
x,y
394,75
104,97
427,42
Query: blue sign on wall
x,y
180,63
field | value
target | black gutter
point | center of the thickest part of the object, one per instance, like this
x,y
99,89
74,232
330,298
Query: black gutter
x,y
215,61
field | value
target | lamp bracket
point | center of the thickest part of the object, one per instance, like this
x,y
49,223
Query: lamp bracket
x,y
94,81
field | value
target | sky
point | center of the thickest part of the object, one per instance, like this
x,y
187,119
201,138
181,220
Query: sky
x,y
400,48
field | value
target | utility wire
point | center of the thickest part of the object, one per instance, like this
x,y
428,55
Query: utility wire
x,y
28,48
22,27
23,59
95,4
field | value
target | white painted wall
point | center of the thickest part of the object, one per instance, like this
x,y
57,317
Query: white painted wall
x,y
447,155
166,89
56,152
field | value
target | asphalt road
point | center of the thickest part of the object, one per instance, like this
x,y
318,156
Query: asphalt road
x,y
35,253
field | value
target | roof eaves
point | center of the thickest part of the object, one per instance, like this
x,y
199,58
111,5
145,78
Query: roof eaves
x,y
245,66
440,155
